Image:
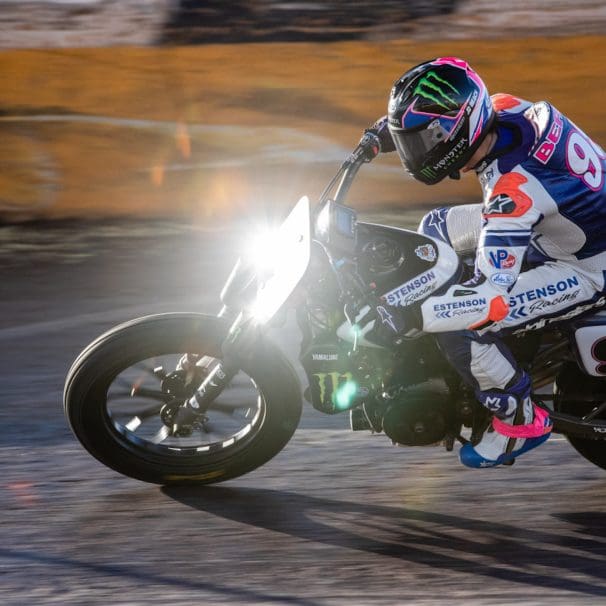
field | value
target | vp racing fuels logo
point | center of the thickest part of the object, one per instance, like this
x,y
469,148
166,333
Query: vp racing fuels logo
x,y
436,89
502,259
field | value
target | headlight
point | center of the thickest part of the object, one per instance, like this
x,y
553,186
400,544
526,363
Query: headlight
x,y
280,258
263,252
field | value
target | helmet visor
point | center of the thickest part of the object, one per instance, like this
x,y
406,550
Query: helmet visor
x,y
414,149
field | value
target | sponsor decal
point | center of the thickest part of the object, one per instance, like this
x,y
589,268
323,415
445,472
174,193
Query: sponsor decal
x,y
548,145
437,219
570,314
413,290
543,292
428,173
459,308
324,357
329,382
501,204
415,296
542,306
426,252
492,403
508,195
485,175
542,300
452,156
502,259
499,403
503,279
386,318
463,293
436,89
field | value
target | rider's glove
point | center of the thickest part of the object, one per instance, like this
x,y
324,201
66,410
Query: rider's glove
x,y
381,131
391,323
375,140
367,149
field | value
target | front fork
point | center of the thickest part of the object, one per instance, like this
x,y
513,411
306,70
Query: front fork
x,y
236,347
192,412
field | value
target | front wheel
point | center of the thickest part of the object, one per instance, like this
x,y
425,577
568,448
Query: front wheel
x,y
118,405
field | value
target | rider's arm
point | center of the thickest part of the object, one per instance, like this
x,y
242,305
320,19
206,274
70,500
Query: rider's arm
x,y
508,218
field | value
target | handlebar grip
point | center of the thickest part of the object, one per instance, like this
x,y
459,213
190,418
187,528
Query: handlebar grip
x,y
367,149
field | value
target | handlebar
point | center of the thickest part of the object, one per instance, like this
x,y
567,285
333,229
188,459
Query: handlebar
x,y
366,150
355,292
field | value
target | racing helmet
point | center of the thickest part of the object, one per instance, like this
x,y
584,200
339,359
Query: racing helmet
x,y
439,112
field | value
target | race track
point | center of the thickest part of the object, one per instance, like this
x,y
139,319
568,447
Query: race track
x,y
336,518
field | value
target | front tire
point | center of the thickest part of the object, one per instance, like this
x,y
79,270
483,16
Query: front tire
x,y
130,436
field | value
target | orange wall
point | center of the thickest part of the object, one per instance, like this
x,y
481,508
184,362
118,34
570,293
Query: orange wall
x,y
208,131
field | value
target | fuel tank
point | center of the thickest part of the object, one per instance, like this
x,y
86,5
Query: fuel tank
x,y
405,266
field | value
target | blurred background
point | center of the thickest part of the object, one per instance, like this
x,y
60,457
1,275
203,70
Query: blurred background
x,y
139,139
205,110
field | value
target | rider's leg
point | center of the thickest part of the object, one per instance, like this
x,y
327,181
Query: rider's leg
x,y
502,387
540,295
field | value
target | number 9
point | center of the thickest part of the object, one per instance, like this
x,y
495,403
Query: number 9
x,y
583,161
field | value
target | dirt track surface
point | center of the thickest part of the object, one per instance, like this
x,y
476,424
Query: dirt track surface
x,y
336,518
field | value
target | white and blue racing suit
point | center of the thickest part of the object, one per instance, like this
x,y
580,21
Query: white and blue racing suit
x,y
544,203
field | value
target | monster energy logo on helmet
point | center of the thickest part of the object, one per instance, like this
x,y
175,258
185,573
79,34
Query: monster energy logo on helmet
x,y
436,89
428,173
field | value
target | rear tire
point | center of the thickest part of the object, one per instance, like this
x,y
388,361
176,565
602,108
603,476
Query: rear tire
x,y
574,390
277,407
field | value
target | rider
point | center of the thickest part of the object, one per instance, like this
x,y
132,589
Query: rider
x,y
544,205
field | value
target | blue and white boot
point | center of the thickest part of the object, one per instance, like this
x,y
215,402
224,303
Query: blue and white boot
x,y
509,438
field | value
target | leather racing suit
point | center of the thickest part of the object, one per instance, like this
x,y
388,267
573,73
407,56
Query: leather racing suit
x,y
545,205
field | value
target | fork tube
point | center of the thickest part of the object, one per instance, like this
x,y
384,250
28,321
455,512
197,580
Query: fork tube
x,y
211,387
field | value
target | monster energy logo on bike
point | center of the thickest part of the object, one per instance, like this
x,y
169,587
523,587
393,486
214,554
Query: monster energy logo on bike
x,y
438,90
328,383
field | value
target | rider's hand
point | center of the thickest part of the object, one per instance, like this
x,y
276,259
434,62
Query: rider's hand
x,y
367,149
375,140
381,131
391,323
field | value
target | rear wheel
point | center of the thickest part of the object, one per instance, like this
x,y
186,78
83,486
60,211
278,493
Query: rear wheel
x,y
579,394
119,403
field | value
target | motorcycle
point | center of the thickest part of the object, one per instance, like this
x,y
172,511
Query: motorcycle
x,y
191,398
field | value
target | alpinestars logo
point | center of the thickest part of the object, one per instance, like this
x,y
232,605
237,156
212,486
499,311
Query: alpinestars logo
x,y
386,318
436,89
500,204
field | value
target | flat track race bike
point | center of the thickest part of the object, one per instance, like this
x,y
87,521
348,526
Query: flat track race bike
x,y
194,398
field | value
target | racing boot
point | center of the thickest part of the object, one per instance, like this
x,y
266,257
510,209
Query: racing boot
x,y
509,437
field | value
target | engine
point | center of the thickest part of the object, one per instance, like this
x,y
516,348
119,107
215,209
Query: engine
x,y
417,417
